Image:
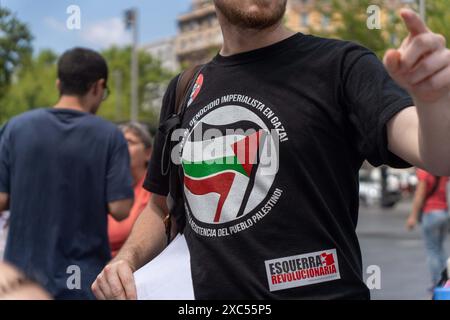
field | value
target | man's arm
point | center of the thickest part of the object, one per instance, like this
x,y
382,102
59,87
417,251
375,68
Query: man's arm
x,y
4,201
119,182
148,229
420,134
120,210
146,241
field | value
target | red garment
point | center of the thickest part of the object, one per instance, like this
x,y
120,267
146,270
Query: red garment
x,y
437,201
118,232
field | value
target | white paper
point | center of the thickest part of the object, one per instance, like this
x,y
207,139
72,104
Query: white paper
x,y
3,233
167,276
4,216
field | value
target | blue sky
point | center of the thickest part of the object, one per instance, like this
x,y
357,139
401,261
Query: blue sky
x,y
101,21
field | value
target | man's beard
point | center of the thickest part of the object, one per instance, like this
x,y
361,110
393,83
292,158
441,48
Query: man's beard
x,y
249,20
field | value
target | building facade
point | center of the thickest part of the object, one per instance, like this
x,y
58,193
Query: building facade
x,y
199,36
164,51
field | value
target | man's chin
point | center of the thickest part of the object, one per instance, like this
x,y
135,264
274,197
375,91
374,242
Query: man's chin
x,y
253,17
258,24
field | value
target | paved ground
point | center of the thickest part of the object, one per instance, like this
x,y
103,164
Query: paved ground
x,y
400,254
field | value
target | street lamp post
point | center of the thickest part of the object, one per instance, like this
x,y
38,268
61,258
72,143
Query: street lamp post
x,y
131,23
118,92
423,6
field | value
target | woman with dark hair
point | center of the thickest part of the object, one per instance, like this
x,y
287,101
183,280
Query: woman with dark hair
x,y
140,148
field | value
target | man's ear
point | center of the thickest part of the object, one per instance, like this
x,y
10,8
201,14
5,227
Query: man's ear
x,y
101,83
98,85
58,85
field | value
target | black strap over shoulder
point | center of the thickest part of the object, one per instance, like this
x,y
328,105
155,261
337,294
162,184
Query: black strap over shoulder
x,y
185,84
171,123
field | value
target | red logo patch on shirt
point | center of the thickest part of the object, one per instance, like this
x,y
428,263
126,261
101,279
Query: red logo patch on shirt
x,y
196,90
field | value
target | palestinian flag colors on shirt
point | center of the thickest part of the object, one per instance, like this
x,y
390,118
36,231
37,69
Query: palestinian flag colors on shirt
x,y
219,173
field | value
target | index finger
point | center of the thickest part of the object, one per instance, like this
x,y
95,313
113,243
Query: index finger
x,y
117,292
413,22
97,291
127,280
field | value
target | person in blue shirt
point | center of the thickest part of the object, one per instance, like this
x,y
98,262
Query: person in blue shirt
x,y
62,169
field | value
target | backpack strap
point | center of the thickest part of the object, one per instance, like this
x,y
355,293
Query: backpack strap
x,y
184,85
185,82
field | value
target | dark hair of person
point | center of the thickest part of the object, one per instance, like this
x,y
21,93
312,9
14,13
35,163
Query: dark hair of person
x,y
79,69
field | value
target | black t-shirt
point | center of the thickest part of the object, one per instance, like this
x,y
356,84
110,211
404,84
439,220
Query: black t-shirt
x,y
272,208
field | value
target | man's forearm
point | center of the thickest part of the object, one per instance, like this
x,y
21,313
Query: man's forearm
x,y
434,132
147,239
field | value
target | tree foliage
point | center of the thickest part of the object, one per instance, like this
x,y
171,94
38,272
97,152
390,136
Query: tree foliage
x,y
33,85
438,17
349,19
150,72
15,49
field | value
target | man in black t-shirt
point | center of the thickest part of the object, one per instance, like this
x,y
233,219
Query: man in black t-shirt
x,y
275,131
